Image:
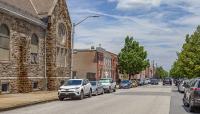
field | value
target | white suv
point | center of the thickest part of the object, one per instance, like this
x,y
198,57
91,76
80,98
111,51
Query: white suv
x,y
75,88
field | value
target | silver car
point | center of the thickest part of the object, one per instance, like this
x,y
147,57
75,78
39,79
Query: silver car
x,y
108,84
97,88
181,86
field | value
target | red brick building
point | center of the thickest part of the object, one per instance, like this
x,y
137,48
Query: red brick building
x,y
95,64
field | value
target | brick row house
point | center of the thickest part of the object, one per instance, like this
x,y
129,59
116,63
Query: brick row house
x,y
35,45
149,72
95,64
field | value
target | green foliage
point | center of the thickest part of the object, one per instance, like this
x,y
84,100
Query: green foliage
x,y
133,57
161,73
188,62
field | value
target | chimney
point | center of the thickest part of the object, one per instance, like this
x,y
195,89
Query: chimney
x,y
92,48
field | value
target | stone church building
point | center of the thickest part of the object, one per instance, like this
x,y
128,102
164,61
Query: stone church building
x,y
35,45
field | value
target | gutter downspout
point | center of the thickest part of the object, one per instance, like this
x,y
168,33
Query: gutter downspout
x,y
45,51
45,60
72,48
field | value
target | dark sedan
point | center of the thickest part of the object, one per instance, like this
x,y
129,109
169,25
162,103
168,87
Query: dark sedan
x,y
154,81
167,81
125,84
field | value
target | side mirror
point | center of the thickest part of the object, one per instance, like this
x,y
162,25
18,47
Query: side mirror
x,y
186,85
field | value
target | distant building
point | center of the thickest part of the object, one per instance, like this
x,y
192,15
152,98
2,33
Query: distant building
x,y
94,64
35,45
147,73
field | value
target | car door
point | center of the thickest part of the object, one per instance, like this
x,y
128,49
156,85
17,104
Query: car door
x,y
100,87
187,87
88,86
112,84
189,90
85,86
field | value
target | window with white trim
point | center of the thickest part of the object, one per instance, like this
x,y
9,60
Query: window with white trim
x,y
4,42
34,49
35,84
62,33
5,87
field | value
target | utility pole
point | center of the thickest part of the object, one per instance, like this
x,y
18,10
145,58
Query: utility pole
x,y
73,35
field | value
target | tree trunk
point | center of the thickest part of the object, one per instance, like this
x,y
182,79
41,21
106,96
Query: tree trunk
x,y
129,76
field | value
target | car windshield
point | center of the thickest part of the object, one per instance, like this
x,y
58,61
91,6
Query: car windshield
x,y
125,81
167,79
73,82
199,85
93,83
104,81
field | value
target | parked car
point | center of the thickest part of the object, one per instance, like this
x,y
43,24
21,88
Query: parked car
x,y
181,86
141,82
167,81
108,84
192,95
97,88
134,83
125,84
75,88
177,81
154,82
147,81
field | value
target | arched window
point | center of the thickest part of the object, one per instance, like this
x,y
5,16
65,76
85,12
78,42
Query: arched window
x,y
62,33
34,49
4,42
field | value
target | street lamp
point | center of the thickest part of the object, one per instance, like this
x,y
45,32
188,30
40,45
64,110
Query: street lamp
x,y
73,33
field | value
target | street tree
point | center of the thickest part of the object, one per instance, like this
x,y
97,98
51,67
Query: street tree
x,y
133,57
188,62
161,73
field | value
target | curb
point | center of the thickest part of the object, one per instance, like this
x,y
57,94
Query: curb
x,y
27,104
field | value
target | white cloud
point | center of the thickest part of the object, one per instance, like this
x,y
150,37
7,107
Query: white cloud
x,y
134,4
159,38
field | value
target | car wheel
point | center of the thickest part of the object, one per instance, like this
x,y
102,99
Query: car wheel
x,y
90,94
96,93
185,103
61,98
110,90
114,89
191,108
81,95
103,91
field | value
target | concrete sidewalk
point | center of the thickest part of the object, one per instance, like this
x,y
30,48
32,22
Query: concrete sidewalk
x,y
12,101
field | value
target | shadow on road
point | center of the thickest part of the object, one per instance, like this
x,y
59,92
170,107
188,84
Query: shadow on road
x,y
176,105
145,93
197,111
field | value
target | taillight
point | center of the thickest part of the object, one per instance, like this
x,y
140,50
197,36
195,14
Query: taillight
x,y
196,89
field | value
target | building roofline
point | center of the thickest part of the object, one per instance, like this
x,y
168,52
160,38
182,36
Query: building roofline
x,y
84,50
91,50
12,10
112,53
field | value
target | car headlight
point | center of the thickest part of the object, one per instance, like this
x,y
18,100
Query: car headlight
x,y
77,87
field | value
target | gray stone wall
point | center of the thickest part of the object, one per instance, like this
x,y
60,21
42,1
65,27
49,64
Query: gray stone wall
x,y
19,71
55,73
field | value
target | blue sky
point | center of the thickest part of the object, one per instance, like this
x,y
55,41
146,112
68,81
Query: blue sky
x,y
159,25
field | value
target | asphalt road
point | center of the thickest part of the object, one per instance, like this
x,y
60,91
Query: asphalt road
x,y
141,100
177,106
